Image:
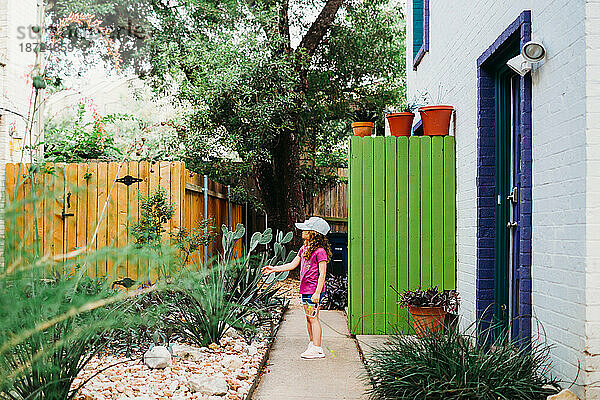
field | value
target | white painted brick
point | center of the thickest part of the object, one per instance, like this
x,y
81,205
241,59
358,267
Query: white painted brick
x,y
566,154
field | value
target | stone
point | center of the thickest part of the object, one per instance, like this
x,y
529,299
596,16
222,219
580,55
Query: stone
x,y
231,332
232,362
251,350
186,352
209,385
565,394
158,357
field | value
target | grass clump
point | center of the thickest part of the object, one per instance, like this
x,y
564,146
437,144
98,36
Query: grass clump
x,y
453,366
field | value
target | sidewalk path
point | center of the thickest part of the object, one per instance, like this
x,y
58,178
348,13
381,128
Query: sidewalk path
x,y
289,377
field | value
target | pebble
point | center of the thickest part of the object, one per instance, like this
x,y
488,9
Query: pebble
x,y
232,359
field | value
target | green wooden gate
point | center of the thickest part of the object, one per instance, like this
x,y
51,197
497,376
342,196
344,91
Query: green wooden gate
x,y
402,223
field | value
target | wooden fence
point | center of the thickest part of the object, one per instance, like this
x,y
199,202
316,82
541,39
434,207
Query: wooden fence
x,y
71,198
401,225
331,203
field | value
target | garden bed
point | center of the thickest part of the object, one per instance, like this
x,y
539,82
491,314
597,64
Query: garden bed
x,y
233,364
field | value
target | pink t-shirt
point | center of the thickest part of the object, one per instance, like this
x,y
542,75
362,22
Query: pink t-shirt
x,y
309,271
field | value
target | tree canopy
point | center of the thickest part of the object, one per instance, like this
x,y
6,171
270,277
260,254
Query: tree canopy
x,y
267,83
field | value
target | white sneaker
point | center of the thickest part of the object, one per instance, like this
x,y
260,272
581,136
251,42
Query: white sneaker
x,y
310,346
313,352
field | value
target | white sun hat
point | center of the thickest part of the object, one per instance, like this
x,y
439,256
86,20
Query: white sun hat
x,y
316,224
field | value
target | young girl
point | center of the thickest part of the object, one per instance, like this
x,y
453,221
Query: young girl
x,y
313,258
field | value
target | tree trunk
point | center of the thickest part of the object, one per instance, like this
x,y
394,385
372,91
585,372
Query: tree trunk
x,y
280,185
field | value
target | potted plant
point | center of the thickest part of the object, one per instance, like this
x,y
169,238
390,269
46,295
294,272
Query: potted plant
x,y
436,119
364,122
429,307
401,122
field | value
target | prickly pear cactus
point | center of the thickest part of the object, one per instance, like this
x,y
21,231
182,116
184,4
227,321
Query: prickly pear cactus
x,y
280,256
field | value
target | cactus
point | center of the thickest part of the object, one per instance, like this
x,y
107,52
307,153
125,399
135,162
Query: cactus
x,y
280,254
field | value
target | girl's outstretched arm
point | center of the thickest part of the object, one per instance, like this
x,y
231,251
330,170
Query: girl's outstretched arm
x,y
267,269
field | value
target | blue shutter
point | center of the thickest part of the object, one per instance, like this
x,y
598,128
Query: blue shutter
x,y
418,25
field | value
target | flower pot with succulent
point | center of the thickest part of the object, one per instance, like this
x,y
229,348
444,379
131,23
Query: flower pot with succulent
x,y
401,122
429,307
364,122
436,120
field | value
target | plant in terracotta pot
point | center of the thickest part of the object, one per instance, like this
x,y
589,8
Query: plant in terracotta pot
x,y
401,122
429,307
436,117
364,122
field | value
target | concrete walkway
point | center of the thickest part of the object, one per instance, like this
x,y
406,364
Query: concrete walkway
x,y
289,377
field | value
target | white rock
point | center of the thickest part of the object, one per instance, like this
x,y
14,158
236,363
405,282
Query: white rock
x,y
186,352
232,362
210,385
158,357
565,394
251,350
231,332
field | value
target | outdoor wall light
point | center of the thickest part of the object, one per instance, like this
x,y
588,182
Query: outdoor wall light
x,y
532,52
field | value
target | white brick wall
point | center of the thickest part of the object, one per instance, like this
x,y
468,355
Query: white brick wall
x,y
460,32
592,327
16,18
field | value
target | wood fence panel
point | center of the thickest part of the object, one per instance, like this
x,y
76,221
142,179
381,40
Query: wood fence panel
x,y
401,226
92,209
83,189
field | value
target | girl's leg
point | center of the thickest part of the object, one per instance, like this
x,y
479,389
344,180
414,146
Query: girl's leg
x,y
317,331
309,328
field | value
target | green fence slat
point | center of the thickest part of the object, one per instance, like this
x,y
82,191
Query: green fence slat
x,y
355,236
367,219
379,243
403,232
414,212
449,213
391,234
437,211
425,146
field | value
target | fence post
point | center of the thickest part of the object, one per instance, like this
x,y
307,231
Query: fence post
x,y
229,205
205,214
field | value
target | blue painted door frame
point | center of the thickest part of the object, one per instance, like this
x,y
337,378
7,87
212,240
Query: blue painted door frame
x,y
489,291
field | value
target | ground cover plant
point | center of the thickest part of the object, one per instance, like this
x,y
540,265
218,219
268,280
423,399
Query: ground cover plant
x,y
454,366
56,316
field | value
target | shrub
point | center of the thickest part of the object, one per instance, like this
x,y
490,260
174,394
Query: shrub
x,y
230,292
452,366
336,288
431,297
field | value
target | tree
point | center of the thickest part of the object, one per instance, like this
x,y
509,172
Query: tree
x,y
253,93
266,83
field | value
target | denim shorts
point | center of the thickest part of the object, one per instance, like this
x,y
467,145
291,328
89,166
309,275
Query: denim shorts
x,y
306,299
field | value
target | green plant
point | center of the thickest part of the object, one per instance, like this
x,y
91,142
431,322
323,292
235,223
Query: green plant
x,y
81,139
188,242
155,211
363,115
454,366
431,297
336,288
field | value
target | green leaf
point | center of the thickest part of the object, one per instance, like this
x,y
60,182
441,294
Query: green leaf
x,y
255,240
240,231
270,278
288,238
267,236
283,276
291,256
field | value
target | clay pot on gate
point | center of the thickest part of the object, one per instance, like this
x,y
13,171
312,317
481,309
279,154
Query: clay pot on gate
x,y
362,129
436,120
400,123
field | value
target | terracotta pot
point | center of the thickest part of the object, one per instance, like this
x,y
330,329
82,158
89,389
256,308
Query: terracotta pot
x,y
427,319
362,129
400,123
436,119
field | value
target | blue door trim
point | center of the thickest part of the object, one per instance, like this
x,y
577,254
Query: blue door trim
x,y
519,30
